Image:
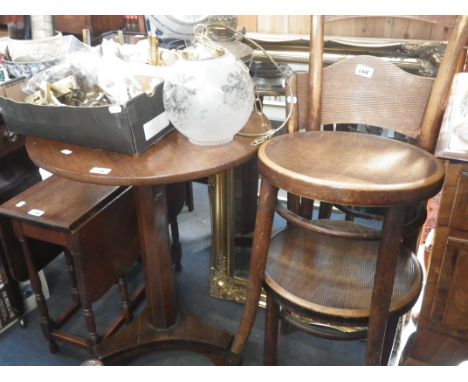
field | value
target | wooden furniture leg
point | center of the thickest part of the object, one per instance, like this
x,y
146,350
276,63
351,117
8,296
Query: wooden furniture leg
x,y
123,291
271,331
389,340
71,272
155,247
325,210
383,283
73,247
261,243
307,208
46,322
189,196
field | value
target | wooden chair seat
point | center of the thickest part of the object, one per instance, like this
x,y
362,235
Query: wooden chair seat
x,y
334,277
366,173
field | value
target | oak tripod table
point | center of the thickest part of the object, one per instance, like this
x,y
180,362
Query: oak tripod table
x,y
162,325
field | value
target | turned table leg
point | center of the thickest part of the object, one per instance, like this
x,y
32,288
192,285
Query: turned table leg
x,y
36,285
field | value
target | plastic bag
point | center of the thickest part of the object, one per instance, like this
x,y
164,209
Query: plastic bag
x,y
82,65
93,68
44,50
139,52
113,77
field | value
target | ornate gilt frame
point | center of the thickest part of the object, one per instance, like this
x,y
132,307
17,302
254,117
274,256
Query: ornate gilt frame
x,y
223,284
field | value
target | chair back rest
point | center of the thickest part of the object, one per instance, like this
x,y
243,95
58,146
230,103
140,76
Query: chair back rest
x,y
368,90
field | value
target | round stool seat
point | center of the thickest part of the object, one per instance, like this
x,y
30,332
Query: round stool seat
x,y
367,171
335,276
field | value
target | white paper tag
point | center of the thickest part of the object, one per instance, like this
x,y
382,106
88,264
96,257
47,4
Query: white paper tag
x,y
66,151
35,212
155,125
20,204
364,71
100,170
113,109
290,99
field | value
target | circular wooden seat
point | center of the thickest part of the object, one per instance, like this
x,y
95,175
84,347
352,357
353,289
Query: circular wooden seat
x,y
367,170
335,277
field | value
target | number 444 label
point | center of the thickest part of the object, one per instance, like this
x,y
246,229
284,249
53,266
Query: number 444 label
x,y
364,71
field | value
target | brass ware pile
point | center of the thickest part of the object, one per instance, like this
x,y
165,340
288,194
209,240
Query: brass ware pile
x,y
67,91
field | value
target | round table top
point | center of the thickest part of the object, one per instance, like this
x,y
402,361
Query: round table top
x,y
351,168
172,159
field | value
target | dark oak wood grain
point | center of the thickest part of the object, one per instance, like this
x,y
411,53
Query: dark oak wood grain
x,y
51,195
173,159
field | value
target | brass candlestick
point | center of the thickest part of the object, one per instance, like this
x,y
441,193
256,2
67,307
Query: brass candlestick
x,y
86,36
120,37
154,47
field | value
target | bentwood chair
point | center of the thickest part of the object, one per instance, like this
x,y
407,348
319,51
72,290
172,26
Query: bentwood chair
x,y
416,215
340,273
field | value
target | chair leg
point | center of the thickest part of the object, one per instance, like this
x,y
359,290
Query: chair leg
x,y
46,322
392,233
261,243
389,339
271,332
123,290
176,249
71,273
189,196
325,210
411,241
349,217
306,208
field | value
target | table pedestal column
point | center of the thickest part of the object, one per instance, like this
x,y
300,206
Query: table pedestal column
x,y
161,326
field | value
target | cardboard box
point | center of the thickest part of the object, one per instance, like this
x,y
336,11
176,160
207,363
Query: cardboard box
x,y
130,128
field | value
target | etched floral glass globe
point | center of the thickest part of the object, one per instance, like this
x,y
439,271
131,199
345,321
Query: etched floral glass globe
x,y
209,99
